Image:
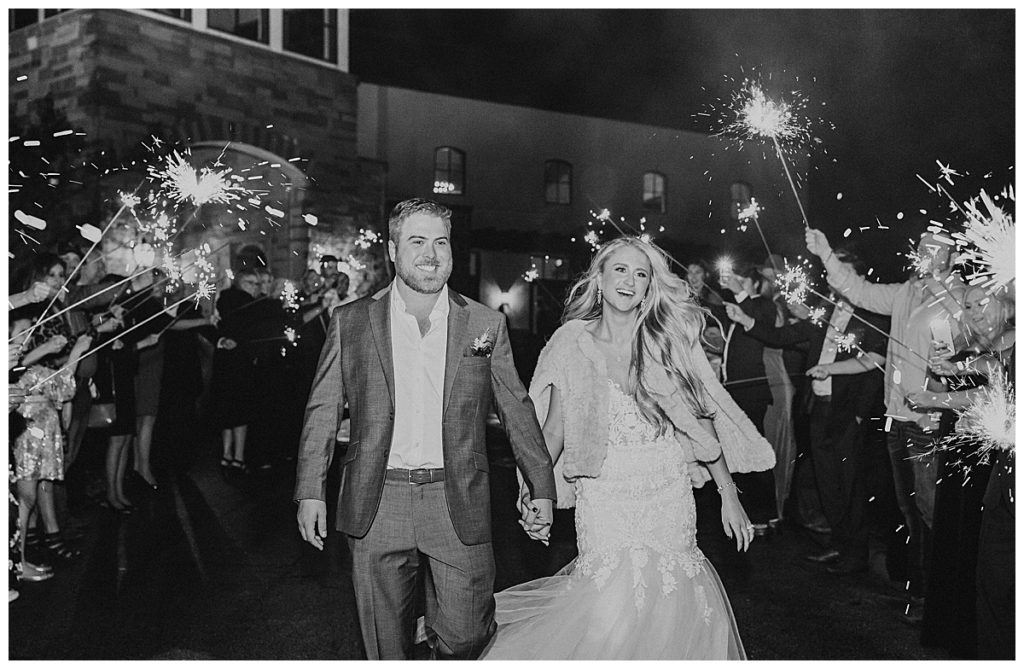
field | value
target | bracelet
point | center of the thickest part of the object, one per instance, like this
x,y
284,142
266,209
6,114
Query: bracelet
x,y
730,484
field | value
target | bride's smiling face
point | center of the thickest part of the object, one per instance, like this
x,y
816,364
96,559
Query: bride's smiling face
x,y
625,278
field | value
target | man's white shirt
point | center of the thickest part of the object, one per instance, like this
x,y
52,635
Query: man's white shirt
x,y
419,384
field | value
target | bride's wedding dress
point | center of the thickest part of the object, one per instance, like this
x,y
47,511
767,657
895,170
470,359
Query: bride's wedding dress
x,y
640,588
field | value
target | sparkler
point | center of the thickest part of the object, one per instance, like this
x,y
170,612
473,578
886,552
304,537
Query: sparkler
x,y
794,284
757,117
990,237
991,417
531,274
724,267
290,296
179,181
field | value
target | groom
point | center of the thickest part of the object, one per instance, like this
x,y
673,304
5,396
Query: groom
x,y
418,364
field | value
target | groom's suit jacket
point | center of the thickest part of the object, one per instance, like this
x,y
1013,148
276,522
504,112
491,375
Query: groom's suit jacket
x,y
356,364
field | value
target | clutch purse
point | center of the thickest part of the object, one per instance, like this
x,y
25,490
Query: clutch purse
x,y
102,415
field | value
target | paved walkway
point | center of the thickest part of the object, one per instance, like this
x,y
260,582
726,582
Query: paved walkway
x,y
213,568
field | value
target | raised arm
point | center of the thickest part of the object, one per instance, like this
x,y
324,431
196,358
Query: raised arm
x,y
875,297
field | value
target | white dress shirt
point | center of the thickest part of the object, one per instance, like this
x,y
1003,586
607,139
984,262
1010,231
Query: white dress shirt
x,y
419,384
740,297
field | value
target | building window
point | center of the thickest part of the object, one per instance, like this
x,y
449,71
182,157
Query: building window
x,y
312,32
19,18
182,14
654,191
557,182
550,267
740,197
449,171
247,23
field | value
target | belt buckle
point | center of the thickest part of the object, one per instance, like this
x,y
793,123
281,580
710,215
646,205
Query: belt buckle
x,y
416,476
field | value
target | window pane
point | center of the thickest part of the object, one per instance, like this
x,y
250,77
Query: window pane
x,y
47,13
449,171
557,182
183,14
19,18
247,23
654,191
312,32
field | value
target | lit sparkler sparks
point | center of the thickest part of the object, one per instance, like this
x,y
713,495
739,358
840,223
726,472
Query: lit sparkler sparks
x,y
759,117
752,210
817,315
130,200
794,284
991,418
593,239
724,266
845,342
367,238
290,297
181,182
204,291
531,274
990,240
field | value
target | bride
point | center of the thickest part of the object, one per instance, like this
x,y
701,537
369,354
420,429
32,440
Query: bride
x,y
633,417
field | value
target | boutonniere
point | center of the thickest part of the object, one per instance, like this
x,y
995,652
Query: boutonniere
x,y
483,345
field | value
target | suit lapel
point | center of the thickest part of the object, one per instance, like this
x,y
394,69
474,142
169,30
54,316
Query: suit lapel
x,y
380,325
458,319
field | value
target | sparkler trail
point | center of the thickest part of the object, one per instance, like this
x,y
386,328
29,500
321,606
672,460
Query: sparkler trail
x,y
113,339
778,152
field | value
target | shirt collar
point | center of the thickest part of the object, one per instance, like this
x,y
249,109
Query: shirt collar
x,y
440,310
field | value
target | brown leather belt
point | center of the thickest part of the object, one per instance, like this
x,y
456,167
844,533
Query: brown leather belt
x,y
415,476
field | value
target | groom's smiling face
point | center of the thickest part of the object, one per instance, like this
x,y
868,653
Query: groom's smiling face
x,y
423,254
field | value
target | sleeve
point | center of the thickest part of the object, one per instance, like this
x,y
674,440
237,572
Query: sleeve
x,y
879,298
320,426
550,372
519,418
784,336
872,341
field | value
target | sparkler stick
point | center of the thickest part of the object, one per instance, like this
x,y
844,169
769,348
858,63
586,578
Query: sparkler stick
x,y
79,265
113,339
803,214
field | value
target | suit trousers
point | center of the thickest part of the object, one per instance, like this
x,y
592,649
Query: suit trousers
x,y
413,528
839,455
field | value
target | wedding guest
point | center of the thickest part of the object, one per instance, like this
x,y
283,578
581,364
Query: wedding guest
x,y
39,448
745,378
950,613
934,294
233,387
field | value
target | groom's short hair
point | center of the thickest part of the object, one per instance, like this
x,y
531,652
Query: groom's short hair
x,y
416,205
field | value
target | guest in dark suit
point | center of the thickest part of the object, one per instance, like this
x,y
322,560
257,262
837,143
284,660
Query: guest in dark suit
x,y
418,364
744,376
844,395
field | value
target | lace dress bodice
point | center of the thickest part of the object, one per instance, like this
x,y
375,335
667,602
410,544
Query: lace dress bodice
x,y
641,507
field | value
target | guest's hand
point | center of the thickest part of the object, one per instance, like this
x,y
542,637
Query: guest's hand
x,y
941,366
922,400
146,342
40,291
737,315
819,372
817,243
54,344
312,517
13,356
82,345
226,343
800,311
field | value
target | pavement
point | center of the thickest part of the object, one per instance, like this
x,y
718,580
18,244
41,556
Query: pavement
x,y
212,567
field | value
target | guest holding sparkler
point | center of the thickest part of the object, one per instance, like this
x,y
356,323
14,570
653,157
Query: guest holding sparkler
x,y
950,613
233,387
177,416
844,392
744,377
935,293
39,448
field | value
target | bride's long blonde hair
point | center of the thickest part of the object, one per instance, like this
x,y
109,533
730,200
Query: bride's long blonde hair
x,y
666,332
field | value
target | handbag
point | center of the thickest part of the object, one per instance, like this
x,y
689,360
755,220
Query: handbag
x,y
102,415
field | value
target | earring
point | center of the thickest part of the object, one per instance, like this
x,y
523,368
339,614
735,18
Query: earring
x,y
599,294
643,304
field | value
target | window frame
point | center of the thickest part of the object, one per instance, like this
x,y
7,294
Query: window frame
x,y
330,28
651,198
448,171
264,25
562,181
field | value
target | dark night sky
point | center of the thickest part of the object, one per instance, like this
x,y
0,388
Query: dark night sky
x,y
902,87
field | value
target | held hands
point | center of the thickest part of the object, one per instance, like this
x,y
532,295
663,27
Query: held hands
x,y
737,315
819,372
537,515
817,243
312,518
735,521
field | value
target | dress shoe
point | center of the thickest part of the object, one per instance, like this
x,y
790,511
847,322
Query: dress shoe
x,y
761,529
33,574
828,556
845,566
